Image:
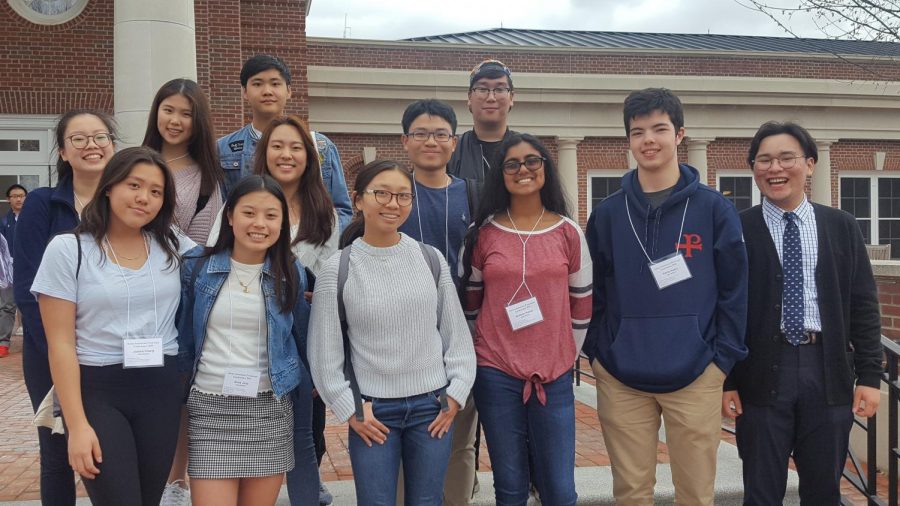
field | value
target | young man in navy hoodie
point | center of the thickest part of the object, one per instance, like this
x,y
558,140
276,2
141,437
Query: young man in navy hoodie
x,y
670,308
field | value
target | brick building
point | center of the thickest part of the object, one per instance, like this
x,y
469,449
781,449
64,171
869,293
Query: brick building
x,y
113,54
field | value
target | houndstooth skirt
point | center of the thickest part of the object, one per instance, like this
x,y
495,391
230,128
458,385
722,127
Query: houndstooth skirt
x,y
239,437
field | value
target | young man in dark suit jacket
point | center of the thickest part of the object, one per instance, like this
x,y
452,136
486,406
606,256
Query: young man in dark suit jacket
x,y
813,329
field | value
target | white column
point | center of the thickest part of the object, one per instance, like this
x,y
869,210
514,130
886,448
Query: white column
x,y
821,178
153,43
568,169
697,157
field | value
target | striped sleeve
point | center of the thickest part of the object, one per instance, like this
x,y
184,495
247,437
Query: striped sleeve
x,y
474,288
580,284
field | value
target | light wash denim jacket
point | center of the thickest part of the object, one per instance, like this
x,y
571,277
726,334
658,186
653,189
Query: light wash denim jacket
x,y
287,331
236,152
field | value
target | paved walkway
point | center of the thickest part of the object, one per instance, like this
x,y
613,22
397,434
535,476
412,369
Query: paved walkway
x,y
19,465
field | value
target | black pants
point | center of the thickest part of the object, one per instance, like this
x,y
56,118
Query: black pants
x,y
318,426
135,414
801,422
57,478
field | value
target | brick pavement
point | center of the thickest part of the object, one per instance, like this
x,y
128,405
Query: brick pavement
x,y
19,467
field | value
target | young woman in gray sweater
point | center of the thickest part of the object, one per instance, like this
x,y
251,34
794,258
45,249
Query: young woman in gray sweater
x,y
409,346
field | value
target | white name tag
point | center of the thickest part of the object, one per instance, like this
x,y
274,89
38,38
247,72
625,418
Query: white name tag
x,y
525,313
670,270
143,352
241,382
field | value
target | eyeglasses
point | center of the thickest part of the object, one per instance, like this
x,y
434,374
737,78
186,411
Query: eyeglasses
x,y
785,161
384,197
532,163
80,141
423,135
482,92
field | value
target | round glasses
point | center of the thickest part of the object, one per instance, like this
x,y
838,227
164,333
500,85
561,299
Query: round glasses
x,y
384,197
80,141
786,162
482,92
532,163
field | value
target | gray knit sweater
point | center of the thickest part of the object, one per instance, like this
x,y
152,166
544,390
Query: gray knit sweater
x,y
406,337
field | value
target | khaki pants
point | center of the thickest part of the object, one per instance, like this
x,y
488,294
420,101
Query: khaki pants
x,y
461,480
630,420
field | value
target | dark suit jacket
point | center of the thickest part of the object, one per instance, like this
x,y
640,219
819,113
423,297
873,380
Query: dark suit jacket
x,y
848,305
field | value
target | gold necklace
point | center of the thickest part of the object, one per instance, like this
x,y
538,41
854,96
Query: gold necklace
x,y
246,286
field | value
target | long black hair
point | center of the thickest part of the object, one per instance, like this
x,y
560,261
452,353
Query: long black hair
x,y
63,167
280,254
95,217
357,227
495,197
317,219
202,144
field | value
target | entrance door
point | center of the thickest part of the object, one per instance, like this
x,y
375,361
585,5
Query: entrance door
x,y
25,158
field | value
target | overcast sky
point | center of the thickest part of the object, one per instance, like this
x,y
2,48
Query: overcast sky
x,y
398,19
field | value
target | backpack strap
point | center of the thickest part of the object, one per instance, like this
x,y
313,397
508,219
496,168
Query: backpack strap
x,y
434,263
473,194
349,374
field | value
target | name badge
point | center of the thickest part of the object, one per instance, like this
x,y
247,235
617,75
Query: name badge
x,y
670,270
241,382
143,352
524,314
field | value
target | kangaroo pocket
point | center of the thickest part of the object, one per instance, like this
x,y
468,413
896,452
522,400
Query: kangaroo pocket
x,y
661,353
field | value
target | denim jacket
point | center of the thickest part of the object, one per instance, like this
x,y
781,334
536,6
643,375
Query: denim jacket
x,y
47,212
236,157
286,339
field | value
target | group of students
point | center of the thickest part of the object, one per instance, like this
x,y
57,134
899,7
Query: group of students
x,y
198,304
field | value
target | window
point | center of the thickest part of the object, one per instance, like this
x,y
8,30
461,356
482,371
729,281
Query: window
x,y
48,12
739,188
602,184
875,202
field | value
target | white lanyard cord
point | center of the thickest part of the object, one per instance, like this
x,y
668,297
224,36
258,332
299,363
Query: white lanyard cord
x,y
128,288
524,241
231,320
677,240
446,216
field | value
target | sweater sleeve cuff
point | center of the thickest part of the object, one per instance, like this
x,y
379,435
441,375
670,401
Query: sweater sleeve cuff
x,y
459,392
869,380
343,408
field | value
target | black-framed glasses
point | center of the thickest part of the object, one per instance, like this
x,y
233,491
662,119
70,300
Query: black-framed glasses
x,y
482,92
423,135
785,161
384,197
80,141
532,163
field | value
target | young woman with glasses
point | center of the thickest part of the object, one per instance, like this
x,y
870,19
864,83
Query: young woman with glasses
x,y
242,324
527,286
108,294
409,347
85,141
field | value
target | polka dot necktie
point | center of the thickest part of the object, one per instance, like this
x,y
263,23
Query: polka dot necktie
x,y
792,265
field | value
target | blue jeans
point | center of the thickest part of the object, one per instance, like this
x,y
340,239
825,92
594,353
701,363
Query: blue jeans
x,y
514,430
303,480
424,458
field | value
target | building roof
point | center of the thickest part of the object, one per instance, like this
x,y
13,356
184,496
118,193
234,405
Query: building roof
x,y
664,41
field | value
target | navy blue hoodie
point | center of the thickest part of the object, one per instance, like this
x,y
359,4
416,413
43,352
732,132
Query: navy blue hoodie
x,y
661,340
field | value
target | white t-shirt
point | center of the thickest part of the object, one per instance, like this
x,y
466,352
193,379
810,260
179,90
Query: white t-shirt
x,y
311,256
102,292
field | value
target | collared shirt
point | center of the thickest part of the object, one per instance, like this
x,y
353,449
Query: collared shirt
x,y
809,242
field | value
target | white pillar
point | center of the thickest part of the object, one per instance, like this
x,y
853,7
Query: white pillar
x,y
153,43
697,157
568,169
821,178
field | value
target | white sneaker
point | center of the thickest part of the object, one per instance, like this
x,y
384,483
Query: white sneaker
x,y
175,495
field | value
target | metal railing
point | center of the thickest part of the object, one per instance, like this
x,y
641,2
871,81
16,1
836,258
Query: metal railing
x,y
863,480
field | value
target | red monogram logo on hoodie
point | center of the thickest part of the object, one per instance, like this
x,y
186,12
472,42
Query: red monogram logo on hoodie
x,y
691,242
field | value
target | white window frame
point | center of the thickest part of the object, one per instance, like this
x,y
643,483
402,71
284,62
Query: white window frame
x,y
591,174
755,197
873,197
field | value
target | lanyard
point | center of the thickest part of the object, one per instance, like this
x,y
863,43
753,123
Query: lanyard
x,y
677,239
231,319
128,288
524,242
446,217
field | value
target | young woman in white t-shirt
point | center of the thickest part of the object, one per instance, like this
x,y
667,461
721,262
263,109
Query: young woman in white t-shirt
x,y
108,295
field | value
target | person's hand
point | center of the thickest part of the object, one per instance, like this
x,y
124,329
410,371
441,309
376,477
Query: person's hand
x,y
865,401
370,429
84,451
308,296
441,424
731,404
